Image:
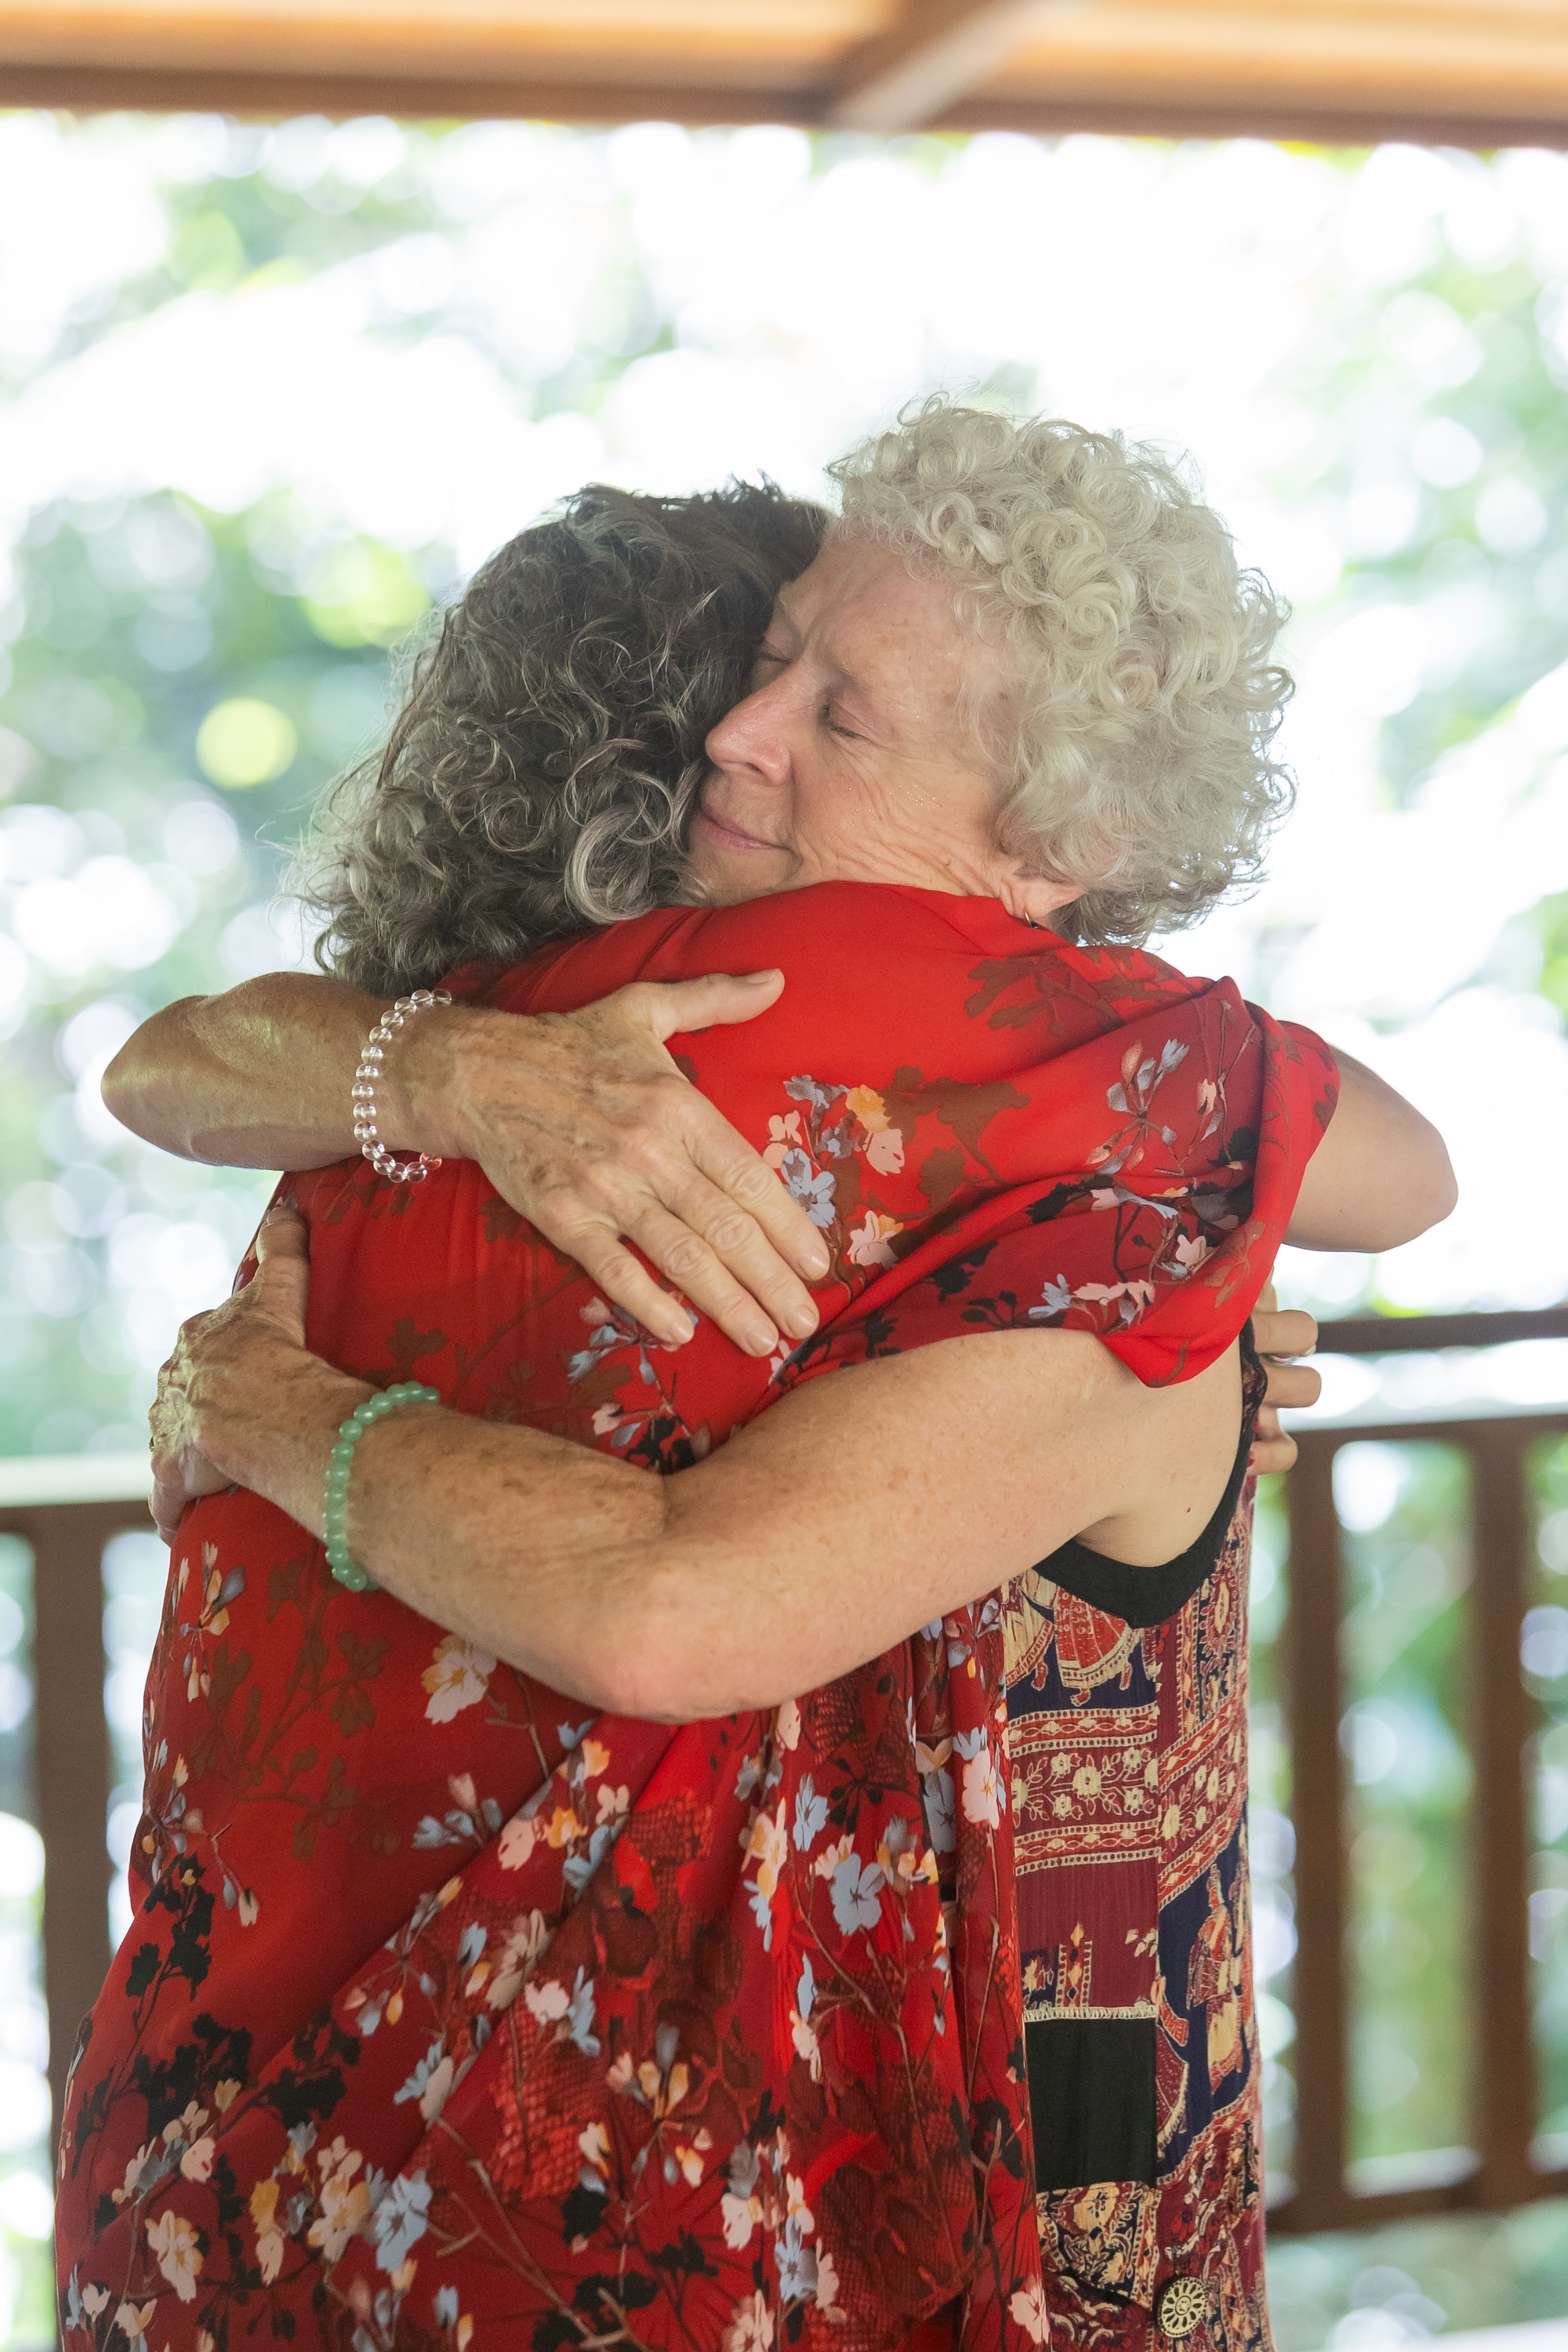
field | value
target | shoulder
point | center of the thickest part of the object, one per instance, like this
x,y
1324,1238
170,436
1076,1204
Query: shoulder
x,y
848,936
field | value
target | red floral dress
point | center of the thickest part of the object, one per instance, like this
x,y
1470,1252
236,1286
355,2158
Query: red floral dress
x,y
454,2013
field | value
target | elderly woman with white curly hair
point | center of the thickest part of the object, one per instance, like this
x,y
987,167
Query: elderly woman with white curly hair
x,y
803,1892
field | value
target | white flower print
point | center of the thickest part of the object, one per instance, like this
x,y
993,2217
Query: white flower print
x,y
750,2327
456,1678
1028,2308
173,2240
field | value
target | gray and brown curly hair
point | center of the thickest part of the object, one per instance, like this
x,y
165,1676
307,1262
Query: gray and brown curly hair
x,y
542,764
542,770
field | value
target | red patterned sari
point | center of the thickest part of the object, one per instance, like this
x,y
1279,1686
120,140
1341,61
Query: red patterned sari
x,y
453,2012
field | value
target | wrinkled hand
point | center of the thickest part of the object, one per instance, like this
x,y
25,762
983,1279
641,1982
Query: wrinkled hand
x,y
1281,1335
584,1124
219,1361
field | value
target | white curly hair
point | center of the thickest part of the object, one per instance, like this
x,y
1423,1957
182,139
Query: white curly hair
x,y
1138,765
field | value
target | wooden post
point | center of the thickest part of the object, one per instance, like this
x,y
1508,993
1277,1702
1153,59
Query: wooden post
x,y
71,1748
1312,1662
1503,2100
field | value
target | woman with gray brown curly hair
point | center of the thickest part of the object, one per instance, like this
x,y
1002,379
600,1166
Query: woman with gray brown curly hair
x,y
1017,660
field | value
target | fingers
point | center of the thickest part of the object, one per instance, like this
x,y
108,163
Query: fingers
x,y
624,1281
737,1301
686,1259
1287,1332
282,1283
178,1478
725,1230
1278,1335
786,1232
1294,1386
1273,1448
282,1233
718,1000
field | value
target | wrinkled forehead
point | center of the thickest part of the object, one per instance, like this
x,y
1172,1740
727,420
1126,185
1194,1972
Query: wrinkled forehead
x,y
897,630
862,594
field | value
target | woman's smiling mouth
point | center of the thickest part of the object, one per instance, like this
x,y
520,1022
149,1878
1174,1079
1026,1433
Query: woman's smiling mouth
x,y
725,836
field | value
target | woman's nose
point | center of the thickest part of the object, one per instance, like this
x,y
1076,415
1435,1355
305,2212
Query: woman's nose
x,y
754,734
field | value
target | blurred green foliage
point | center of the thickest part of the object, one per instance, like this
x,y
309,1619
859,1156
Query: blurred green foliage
x,y
137,880
1402,1650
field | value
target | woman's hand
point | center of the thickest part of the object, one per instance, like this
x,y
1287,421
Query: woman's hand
x,y
1279,1335
582,1121
584,1124
239,1374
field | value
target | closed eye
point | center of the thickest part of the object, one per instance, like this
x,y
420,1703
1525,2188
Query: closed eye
x,y
825,715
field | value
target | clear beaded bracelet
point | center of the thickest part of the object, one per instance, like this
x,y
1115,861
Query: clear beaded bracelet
x,y
340,1560
362,1098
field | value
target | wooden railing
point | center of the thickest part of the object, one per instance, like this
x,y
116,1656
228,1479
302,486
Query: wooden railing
x,y
1496,2169
73,1772
71,1751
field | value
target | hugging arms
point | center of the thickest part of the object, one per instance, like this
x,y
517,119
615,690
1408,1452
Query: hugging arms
x,y
992,1120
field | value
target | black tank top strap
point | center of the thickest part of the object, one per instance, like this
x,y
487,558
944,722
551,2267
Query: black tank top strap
x,y
1148,1596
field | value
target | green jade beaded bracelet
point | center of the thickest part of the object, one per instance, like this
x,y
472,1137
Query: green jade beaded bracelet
x,y
340,1560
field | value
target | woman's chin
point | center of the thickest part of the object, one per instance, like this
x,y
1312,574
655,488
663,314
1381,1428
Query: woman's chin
x,y
731,865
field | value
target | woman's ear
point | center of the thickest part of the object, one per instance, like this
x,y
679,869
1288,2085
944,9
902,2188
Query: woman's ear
x,y
1033,898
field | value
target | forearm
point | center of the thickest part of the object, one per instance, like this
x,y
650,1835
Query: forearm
x,y
259,1077
539,1551
767,1570
262,1075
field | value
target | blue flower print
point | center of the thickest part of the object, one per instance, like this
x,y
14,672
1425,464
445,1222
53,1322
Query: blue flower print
x,y
402,2219
797,2264
580,2016
856,1895
416,2085
941,1820
814,1194
810,1816
1055,1300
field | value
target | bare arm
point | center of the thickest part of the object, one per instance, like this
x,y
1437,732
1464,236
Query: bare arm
x,y
259,1077
723,1586
1380,1176
580,1120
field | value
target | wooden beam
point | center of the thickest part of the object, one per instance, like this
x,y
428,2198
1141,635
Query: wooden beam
x,y
90,89
1399,1335
1220,116
933,55
248,93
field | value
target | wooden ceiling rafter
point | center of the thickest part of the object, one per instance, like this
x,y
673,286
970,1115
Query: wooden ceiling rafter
x,y
1480,73
934,54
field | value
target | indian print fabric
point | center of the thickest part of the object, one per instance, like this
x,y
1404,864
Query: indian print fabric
x,y
1128,1750
454,2013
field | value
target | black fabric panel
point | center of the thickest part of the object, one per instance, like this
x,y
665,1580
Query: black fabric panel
x,y
1148,1596
1092,2095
